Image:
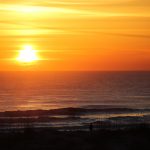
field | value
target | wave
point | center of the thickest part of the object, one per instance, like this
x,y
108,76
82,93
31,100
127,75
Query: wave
x,y
68,111
73,118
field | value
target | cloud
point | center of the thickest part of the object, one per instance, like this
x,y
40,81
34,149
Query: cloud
x,y
130,35
78,2
49,14
90,2
78,8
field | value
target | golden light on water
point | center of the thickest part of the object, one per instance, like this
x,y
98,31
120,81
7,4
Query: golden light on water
x,y
27,55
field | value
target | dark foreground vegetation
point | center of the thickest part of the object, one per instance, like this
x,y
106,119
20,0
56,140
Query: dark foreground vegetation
x,y
48,139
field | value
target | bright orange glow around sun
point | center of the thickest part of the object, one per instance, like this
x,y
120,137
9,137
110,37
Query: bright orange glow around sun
x,y
27,55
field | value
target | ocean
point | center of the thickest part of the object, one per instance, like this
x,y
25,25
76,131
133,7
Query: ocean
x,y
92,96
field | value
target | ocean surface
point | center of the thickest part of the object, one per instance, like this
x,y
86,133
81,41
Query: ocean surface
x,y
105,92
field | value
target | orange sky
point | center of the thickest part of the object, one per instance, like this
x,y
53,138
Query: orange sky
x,y
76,34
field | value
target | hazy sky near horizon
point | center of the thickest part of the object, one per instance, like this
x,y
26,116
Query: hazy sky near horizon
x,y
76,34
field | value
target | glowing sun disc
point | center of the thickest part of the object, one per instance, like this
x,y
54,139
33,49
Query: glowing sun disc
x,y
27,55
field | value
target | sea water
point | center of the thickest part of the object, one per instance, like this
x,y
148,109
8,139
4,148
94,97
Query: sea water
x,y
88,90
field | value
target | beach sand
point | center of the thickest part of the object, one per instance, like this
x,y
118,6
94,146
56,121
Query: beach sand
x,y
49,139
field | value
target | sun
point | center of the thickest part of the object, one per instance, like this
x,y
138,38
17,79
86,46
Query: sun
x,y
27,55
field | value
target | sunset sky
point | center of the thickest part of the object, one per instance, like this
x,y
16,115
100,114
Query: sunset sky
x,y
76,34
